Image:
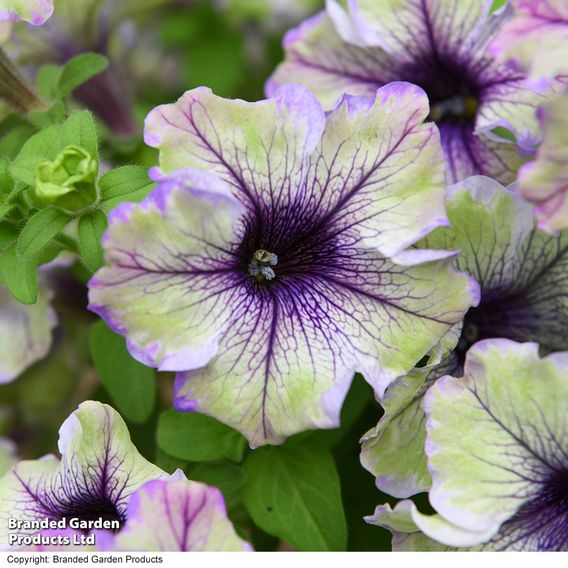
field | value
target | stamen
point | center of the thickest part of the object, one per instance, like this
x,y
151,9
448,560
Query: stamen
x,y
260,266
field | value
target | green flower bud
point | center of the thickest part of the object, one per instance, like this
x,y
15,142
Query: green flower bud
x,y
69,181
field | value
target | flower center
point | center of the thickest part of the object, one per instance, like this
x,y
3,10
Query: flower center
x,y
261,265
458,107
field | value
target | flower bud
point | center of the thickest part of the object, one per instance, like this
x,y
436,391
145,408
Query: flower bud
x,y
69,181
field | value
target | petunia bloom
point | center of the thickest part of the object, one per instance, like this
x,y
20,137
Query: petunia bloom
x,y
497,451
441,45
36,12
177,515
266,280
523,274
544,182
102,478
25,332
535,39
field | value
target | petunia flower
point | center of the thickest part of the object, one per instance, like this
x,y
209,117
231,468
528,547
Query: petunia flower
x,y
266,280
177,515
99,470
544,182
484,110
497,451
25,332
523,274
102,477
534,40
36,12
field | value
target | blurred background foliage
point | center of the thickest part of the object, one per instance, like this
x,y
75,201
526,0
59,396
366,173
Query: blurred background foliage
x,y
157,50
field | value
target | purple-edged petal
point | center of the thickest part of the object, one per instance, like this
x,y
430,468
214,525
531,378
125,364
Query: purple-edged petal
x,y
25,332
544,182
535,40
497,448
437,44
35,12
177,516
99,470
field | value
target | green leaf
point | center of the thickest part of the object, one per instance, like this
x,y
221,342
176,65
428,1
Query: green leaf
x,y
293,492
78,130
53,115
47,81
128,183
196,437
40,229
131,385
18,276
91,228
78,71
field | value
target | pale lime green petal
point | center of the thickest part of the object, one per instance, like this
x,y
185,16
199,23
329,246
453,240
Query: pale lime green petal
x,y
535,39
544,182
33,11
495,440
25,332
177,516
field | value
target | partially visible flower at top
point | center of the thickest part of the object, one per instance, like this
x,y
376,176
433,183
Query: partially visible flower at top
x,y
107,27
523,274
25,332
102,477
498,453
266,279
535,40
544,182
485,112
36,12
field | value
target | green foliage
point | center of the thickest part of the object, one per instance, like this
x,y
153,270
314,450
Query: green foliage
x,y
293,492
90,230
128,183
19,276
196,437
41,228
131,385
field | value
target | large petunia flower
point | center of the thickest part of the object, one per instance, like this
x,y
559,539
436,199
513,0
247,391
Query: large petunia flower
x,y
544,182
36,12
102,476
266,281
523,274
535,40
498,454
25,332
441,46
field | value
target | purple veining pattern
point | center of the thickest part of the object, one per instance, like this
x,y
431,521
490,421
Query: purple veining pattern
x,y
332,196
440,46
99,470
176,516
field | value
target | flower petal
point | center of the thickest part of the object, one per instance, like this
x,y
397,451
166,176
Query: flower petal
x,y
496,447
253,147
183,232
171,516
35,12
25,332
522,272
544,182
535,40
